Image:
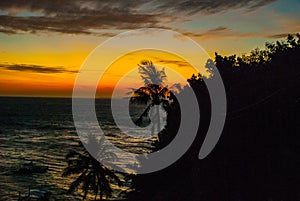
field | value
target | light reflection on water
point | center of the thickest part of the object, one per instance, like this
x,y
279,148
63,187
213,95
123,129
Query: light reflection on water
x,y
41,130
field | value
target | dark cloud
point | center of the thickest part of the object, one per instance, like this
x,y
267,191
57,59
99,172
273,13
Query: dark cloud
x,y
259,4
282,35
225,32
86,16
218,29
176,62
210,6
35,68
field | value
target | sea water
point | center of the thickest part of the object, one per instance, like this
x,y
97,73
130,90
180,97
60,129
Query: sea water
x,y
41,130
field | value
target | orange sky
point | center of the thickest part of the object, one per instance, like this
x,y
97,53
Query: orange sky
x,y
124,70
35,83
42,47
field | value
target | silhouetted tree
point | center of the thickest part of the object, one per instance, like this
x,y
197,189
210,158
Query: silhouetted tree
x,y
92,175
153,93
257,156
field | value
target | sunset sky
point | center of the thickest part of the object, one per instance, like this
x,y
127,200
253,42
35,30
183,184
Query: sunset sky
x,y
44,43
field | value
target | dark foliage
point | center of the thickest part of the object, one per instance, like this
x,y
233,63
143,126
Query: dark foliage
x,y
257,157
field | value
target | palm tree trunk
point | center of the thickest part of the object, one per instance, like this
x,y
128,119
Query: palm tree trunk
x,y
158,119
139,121
101,195
96,195
153,122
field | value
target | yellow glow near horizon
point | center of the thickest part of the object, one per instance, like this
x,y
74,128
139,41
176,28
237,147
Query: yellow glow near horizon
x,y
26,83
31,83
54,84
125,69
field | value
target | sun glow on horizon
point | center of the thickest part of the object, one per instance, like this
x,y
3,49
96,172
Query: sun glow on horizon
x,y
124,71
55,80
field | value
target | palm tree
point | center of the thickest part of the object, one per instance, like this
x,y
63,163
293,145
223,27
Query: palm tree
x,y
152,93
150,74
92,175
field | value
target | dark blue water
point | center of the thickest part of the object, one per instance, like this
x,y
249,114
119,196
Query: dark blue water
x,y
42,130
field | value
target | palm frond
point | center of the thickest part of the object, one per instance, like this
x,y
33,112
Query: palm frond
x,y
93,176
150,74
85,187
72,170
113,175
75,184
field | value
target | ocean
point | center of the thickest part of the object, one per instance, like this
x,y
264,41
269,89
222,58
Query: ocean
x,y
41,130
